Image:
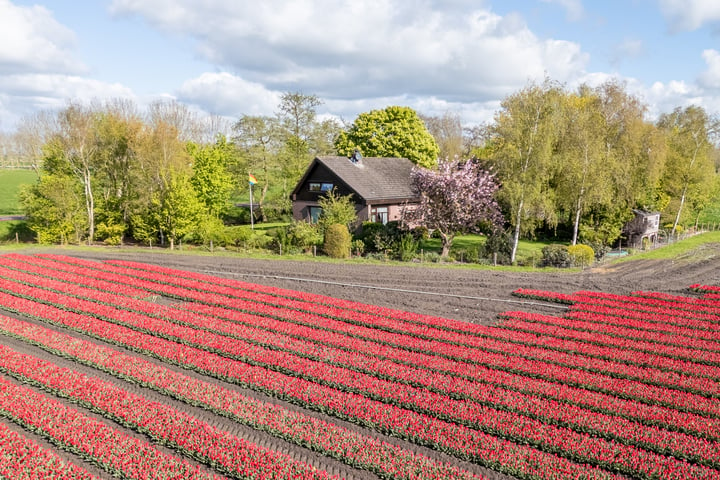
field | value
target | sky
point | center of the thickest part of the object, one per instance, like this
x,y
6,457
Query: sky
x,y
463,57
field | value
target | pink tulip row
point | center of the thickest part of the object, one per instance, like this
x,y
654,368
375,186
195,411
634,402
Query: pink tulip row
x,y
497,422
225,452
109,448
614,400
572,335
346,445
23,459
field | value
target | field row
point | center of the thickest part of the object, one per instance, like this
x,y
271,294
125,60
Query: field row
x,y
535,397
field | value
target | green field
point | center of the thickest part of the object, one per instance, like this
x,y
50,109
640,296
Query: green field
x,y
10,182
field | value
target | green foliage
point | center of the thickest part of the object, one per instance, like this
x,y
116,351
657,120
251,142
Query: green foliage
x,y
407,247
556,256
391,132
110,233
498,247
358,247
338,241
581,255
55,209
337,209
211,178
179,210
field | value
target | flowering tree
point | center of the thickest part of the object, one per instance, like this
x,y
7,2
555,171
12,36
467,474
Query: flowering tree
x,y
455,198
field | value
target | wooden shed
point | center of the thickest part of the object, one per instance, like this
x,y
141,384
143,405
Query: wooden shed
x,y
645,225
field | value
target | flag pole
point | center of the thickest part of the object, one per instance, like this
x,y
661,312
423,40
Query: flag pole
x,y
252,222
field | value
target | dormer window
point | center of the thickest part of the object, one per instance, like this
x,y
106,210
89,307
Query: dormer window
x,y
320,187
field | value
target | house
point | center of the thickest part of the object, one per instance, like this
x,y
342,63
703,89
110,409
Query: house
x,y
645,225
380,186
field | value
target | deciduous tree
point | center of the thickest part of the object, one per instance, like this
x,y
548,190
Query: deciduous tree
x,y
521,149
455,198
391,132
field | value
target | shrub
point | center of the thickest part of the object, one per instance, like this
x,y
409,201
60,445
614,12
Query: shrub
x,y
304,235
498,246
581,255
556,256
337,241
407,247
358,247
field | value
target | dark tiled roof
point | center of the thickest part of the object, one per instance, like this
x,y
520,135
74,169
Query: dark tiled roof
x,y
374,178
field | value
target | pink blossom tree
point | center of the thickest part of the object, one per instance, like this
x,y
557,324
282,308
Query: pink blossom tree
x,y
455,198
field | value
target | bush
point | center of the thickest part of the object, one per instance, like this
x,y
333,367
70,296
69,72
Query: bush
x,y
556,256
304,235
498,246
358,247
581,255
407,247
337,241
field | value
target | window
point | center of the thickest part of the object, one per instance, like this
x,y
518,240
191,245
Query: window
x,y
315,213
320,187
379,215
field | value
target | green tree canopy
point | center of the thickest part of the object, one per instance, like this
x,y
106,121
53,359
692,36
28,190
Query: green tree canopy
x,y
391,132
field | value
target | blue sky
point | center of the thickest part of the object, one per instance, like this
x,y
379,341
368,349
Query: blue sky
x,y
230,58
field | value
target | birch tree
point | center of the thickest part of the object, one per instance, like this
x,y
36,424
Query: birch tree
x,y
521,150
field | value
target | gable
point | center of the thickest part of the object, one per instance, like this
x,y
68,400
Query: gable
x,y
373,179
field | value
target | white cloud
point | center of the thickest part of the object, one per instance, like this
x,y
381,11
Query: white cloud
x,y
710,78
629,48
26,94
344,50
688,15
32,41
228,95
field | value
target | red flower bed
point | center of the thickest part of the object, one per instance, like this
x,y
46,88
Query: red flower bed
x,y
619,384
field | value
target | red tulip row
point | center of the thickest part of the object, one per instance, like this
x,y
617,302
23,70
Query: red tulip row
x,y
503,455
643,323
497,422
571,334
23,459
223,451
642,413
111,449
653,419
387,460
439,322
643,407
646,301
502,347
526,348
467,390
14,263
629,305
490,377
280,360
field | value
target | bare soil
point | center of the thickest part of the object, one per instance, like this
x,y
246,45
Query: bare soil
x,y
472,295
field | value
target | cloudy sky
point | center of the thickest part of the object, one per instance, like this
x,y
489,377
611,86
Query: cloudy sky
x,y
234,57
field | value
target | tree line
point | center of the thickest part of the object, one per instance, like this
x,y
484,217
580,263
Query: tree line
x,y
568,164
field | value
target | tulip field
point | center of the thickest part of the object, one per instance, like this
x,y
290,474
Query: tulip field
x,y
120,369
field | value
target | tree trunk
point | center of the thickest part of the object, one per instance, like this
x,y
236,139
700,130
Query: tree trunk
x,y
576,223
516,236
677,217
447,239
89,205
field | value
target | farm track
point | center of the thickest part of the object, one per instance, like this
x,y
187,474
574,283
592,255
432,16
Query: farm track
x,y
495,286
